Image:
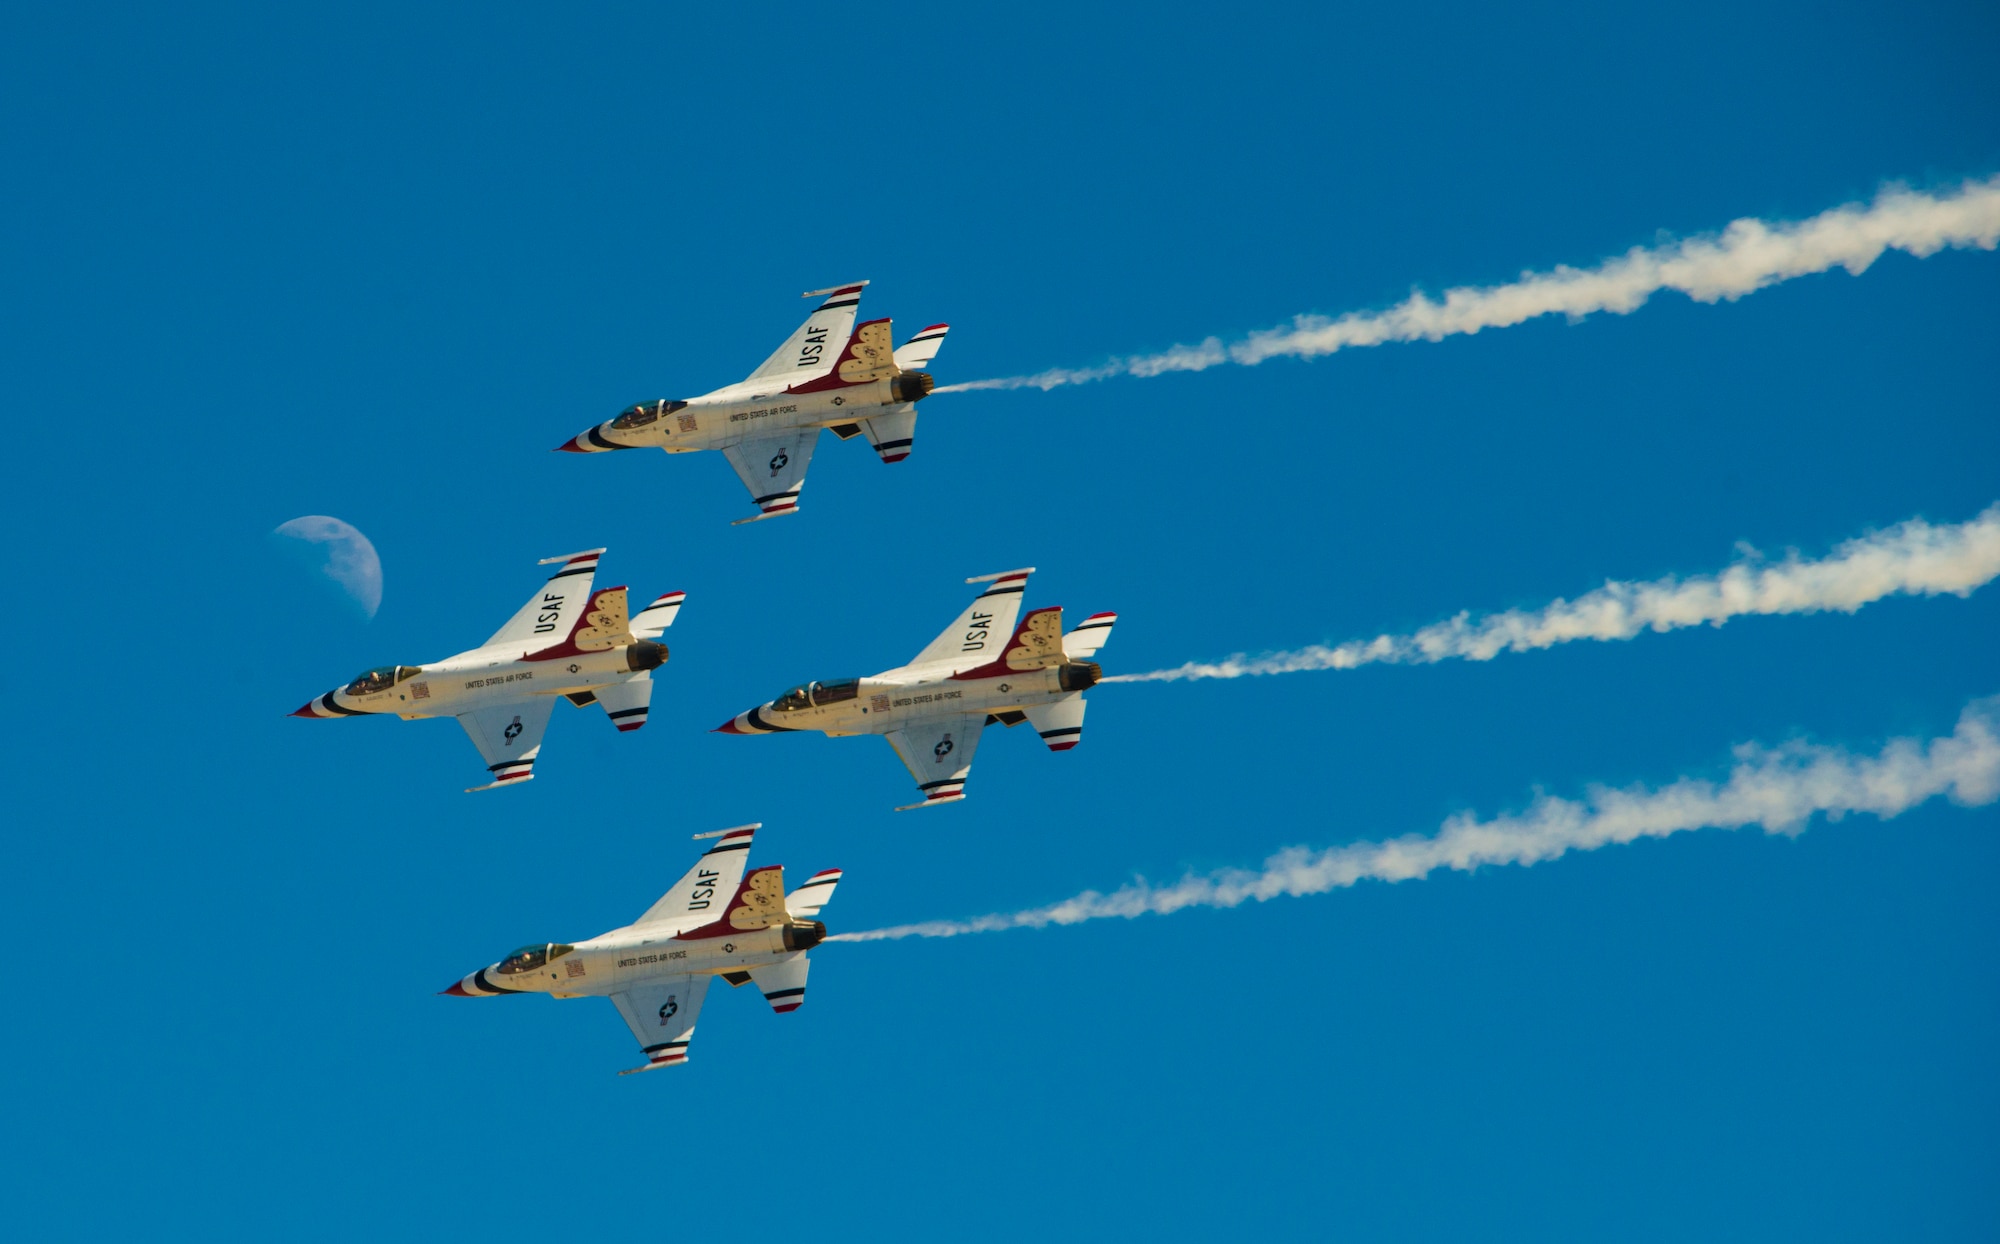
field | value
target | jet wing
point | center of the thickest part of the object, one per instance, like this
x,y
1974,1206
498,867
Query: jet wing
x,y
773,468
508,736
938,753
661,1013
810,352
551,613
976,637
700,897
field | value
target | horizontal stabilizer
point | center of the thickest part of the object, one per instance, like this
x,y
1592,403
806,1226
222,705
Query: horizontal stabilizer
x,y
1060,724
658,616
922,348
814,894
1089,636
783,983
626,702
893,432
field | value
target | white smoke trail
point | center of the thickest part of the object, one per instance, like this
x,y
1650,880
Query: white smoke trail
x,y
1744,258
1911,558
1779,789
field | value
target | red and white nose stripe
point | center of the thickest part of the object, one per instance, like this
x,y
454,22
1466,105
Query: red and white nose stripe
x,y
752,722
591,442
477,985
325,706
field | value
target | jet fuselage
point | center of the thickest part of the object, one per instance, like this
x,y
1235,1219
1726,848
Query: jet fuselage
x,y
746,411
624,958
483,677
894,699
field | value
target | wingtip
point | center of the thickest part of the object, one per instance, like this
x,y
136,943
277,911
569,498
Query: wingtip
x,y
774,512
938,802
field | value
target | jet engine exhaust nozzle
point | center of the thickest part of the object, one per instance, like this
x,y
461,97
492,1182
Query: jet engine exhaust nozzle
x,y
911,386
804,934
1079,675
645,655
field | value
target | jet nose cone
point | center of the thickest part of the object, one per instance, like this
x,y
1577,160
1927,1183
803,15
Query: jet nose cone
x,y
733,726
308,709
457,990
574,445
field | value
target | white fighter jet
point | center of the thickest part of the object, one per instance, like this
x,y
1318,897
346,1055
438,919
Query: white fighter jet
x,y
567,642
934,708
829,374
716,921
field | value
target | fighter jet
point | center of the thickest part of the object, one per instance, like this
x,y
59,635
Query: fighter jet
x,y
657,969
828,374
567,642
933,709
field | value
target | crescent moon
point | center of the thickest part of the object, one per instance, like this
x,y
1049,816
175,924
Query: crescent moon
x,y
351,560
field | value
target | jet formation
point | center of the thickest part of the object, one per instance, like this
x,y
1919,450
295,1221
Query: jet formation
x,y
991,665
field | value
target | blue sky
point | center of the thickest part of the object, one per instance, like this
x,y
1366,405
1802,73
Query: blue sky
x,y
375,263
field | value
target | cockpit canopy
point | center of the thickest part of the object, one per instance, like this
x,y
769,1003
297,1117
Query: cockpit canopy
x,y
528,958
817,694
644,413
382,678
